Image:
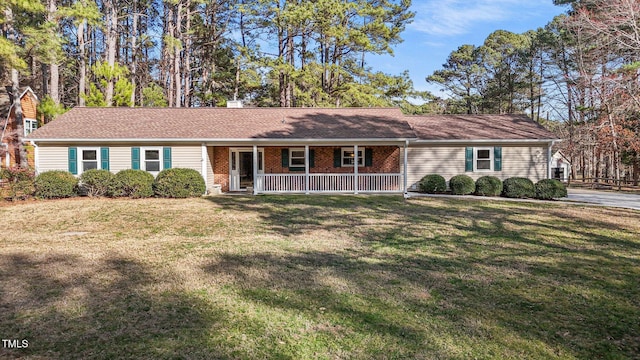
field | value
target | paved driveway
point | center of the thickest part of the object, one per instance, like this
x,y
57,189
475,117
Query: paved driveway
x,y
629,201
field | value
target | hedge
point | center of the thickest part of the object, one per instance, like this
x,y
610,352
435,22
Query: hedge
x,y
518,187
56,184
132,183
462,185
548,189
96,182
432,184
19,182
488,186
179,183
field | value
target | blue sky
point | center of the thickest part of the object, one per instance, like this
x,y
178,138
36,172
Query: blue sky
x,y
441,26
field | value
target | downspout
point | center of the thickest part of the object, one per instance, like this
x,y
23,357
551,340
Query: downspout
x,y
36,157
406,161
255,170
549,155
204,168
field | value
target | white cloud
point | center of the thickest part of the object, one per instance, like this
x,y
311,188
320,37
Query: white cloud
x,y
458,17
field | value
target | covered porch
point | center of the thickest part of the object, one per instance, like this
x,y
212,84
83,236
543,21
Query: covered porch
x,y
309,169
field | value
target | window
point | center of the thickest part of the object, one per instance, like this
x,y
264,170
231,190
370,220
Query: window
x,y
151,160
348,156
30,125
89,159
296,158
484,159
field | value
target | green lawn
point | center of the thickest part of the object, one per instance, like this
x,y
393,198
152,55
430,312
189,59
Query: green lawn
x,y
327,277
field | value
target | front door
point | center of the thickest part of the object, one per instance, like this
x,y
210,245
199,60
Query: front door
x,y
241,165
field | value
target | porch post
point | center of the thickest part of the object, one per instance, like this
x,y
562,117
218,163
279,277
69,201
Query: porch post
x,y
255,169
405,172
204,167
355,169
549,159
306,169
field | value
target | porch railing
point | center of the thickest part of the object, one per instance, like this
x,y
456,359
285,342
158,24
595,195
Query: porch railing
x,y
336,183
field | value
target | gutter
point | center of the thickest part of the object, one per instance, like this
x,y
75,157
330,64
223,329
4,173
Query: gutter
x,y
214,140
481,141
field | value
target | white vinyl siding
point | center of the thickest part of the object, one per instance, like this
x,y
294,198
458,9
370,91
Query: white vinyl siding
x,y
119,158
529,162
53,158
445,161
181,157
57,157
189,157
448,161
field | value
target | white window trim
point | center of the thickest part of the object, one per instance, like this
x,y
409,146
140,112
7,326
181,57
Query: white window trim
x,y
291,150
29,129
475,159
360,158
143,159
81,150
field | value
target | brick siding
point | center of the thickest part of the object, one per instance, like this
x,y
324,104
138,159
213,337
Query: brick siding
x,y
386,160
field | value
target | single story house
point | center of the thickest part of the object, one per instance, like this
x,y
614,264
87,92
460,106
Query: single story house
x,y
295,150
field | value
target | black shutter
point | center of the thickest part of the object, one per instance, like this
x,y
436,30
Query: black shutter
x,y
368,157
312,158
285,158
337,157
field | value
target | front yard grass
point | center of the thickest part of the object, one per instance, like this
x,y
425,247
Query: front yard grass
x,y
328,277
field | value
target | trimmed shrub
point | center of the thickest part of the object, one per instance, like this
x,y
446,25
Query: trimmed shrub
x,y
179,183
19,182
56,184
518,187
96,182
548,189
132,183
488,186
432,184
462,185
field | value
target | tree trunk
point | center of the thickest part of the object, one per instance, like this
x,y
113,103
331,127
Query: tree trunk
x,y
82,66
187,57
176,59
54,74
134,53
112,38
21,157
291,63
19,119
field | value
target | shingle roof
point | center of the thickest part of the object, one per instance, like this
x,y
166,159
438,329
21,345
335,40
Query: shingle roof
x,y
226,123
478,127
82,123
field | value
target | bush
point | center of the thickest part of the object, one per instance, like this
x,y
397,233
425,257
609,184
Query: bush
x,y
548,189
462,185
56,184
432,184
179,183
96,182
19,182
488,186
517,187
132,183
